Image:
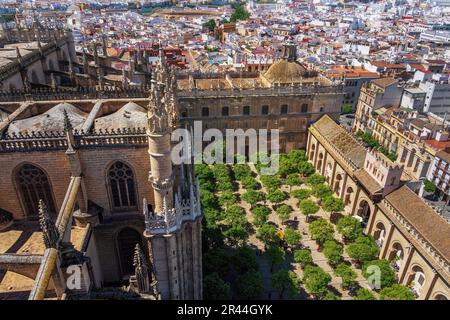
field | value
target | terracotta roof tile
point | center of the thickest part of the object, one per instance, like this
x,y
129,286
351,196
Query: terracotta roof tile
x,y
427,222
341,139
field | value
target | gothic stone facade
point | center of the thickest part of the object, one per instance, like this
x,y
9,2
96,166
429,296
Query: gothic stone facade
x,y
103,171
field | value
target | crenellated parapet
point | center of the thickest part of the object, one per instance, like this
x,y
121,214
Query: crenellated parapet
x,y
80,93
437,259
170,220
41,141
161,184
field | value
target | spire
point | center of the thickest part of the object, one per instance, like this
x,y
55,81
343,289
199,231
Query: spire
x,y
49,232
67,123
68,128
18,54
141,270
162,57
53,83
96,55
290,50
104,46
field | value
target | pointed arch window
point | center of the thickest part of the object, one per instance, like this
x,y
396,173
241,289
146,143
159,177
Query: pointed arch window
x,y
33,185
122,186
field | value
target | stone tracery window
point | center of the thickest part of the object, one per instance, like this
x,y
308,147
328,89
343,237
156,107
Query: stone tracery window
x,y
122,185
33,185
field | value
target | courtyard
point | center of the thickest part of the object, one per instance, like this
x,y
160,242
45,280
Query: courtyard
x,y
281,237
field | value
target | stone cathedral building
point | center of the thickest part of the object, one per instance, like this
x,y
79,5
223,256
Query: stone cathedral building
x,y
89,198
87,178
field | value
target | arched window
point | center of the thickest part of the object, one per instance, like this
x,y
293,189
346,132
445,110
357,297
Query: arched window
x,y
123,190
380,233
34,77
126,241
304,108
33,185
313,149
225,111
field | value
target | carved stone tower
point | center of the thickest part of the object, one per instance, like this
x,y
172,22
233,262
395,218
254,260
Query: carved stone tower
x,y
173,228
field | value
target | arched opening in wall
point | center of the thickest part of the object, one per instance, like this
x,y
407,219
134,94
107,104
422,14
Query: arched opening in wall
x,y
440,297
319,162
34,77
328,172
396,256
126,243
311,154
416,280
411,158
64,56
51,65
363,213
380,233
348,196
337,185
122,187
33,185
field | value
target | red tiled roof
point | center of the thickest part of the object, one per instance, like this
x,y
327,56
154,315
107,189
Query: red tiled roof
x,y
439,145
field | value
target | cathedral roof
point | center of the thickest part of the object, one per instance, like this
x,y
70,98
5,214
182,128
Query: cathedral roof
x,y
49,121
130,115
284,71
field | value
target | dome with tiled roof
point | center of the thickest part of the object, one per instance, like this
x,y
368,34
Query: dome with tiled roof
x,y
50,121
287,69
284,71
130,115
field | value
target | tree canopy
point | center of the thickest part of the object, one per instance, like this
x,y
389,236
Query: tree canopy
x,y
293,180
396,292
387,274
321,191
316,280
214,288
268,234
250,285
363,249
333,204
321,230
315,179
252,197
274,255
260,215
234,216
283,280
236,235
227,198
303,256
308,207
364,294
292,237
349,227
301,194
276,196
333,252
284,212
347,275
239,13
